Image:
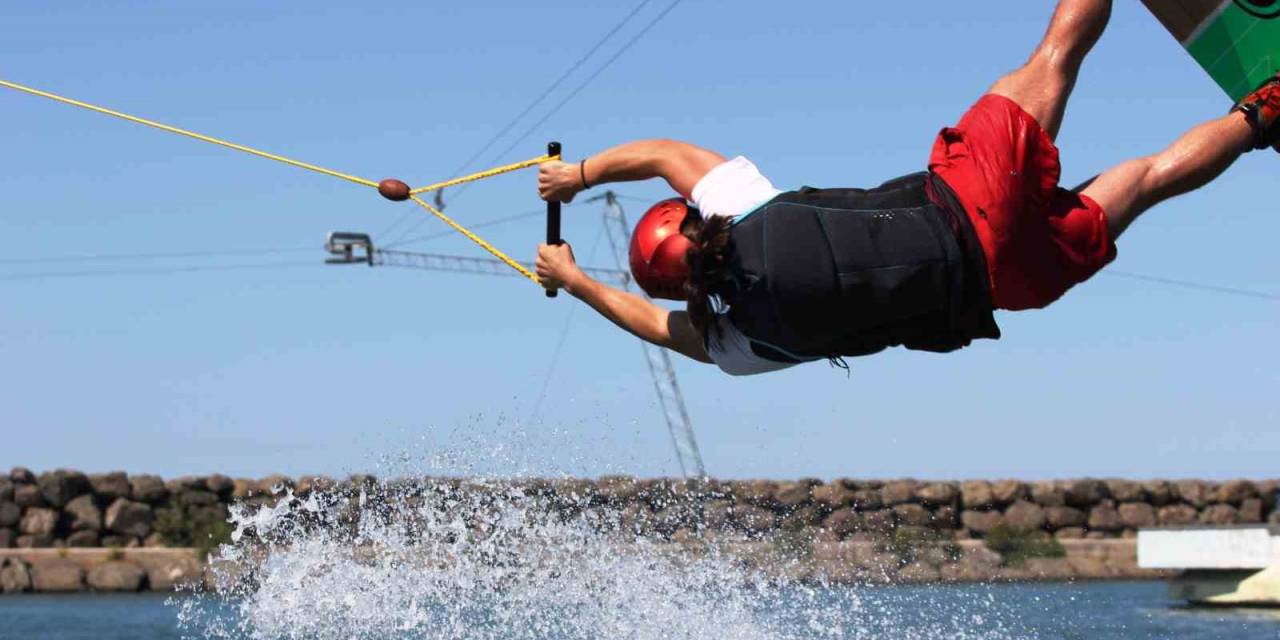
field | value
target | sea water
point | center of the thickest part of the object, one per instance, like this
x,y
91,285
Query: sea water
x,y
1093,611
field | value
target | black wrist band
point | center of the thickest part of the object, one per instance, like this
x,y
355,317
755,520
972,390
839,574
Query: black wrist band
x,y
582,172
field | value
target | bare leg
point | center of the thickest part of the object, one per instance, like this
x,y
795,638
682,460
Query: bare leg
x,y
1199,156
1041,87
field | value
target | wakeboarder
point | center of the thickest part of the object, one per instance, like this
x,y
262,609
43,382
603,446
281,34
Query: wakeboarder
x,y
772,279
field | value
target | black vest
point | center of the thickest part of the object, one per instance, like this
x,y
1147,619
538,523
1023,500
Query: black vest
x,y
823,273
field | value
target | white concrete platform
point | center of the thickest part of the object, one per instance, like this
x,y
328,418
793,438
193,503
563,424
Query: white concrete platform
x,y
1219,565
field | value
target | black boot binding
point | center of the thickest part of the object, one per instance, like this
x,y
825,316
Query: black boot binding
x,y
1261,110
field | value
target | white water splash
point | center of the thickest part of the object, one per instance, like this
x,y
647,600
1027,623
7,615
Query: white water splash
x,y
446,558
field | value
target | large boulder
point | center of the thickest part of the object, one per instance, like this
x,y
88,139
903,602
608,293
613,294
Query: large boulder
x,y
572,490
129,518
1006,492
38,521
1024,515
1085,493
116,575
6,490
614,490
277,484
22,475
844,522
912,515
1126,491
571,496
879,520
220,485
1105,517
10,514
34,541
1193,492
8,537
980,522
1251,511
898,492
83,539
937,494
148,489
28,495
1176,515
791,495
56,576
15,576
752,519
1059,517
832,496
1048,493
867,499
59,487
756,492
801,518
636,519
197,498
655,493
1069,533
1235,492
1268,490
185,483
946,518
109,486
673,518
1136,515
243,489
975,494
1159,492
82,514
1219,514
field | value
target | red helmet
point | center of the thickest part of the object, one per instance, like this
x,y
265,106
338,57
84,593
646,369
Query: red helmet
x,y
658,249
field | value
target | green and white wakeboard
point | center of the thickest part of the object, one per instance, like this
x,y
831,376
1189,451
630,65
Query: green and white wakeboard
x,y
1236,41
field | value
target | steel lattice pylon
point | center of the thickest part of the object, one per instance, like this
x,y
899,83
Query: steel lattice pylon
x,y
665,384
347,248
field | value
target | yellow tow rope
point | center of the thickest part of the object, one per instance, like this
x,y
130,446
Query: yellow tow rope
x,y
488,173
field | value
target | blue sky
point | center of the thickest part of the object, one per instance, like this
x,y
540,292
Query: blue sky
x,y
303,368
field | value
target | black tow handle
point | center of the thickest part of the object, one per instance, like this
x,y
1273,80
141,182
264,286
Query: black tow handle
x,y
553,214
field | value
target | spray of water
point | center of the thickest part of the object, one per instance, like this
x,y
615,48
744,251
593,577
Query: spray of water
x,y
481,558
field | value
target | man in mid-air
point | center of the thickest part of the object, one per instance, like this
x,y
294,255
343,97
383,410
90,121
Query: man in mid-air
x,y
772,279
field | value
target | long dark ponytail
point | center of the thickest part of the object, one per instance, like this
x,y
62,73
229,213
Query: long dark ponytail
x,y
708,267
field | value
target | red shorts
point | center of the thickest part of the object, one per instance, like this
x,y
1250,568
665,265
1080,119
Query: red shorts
x,y
1039,239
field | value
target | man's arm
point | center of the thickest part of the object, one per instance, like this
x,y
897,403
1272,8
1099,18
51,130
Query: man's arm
x,y
681,164
642,318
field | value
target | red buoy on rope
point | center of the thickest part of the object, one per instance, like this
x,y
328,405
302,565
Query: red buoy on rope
x,y
394,190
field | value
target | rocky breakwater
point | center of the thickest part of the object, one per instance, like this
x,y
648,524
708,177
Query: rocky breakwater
x,y
66,530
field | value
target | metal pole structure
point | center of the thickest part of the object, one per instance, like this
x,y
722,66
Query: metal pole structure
x,y
659,360
471,264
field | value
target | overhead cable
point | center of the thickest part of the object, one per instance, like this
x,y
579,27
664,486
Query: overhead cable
x,y
9,277
116,257
536,101
1196,286
560,341
572,94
